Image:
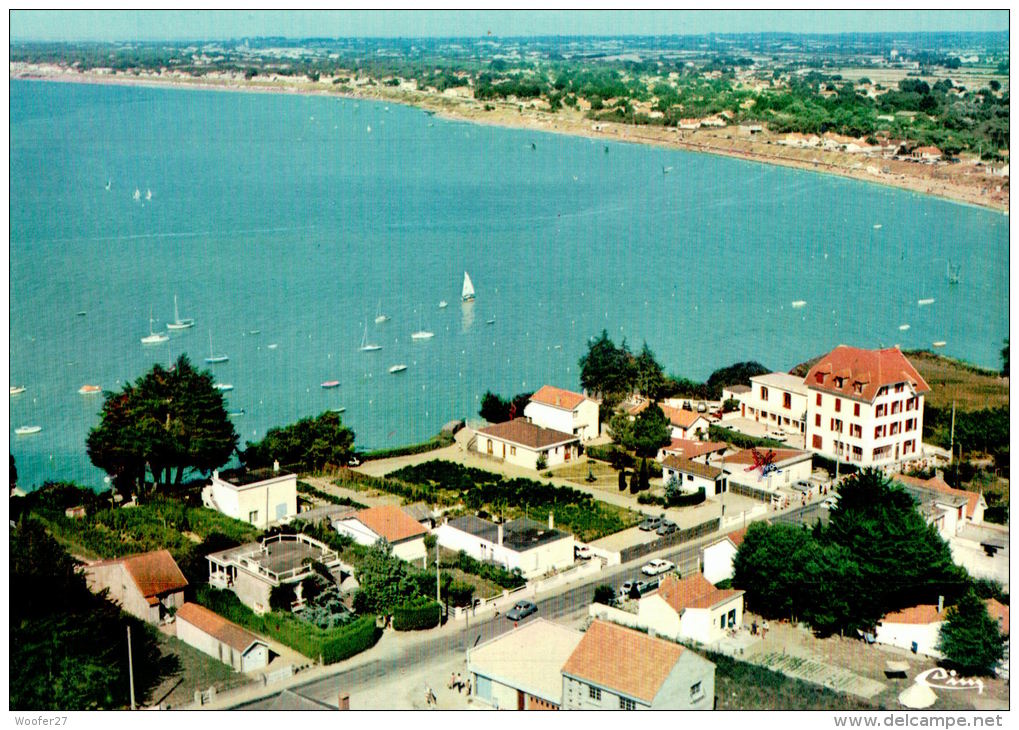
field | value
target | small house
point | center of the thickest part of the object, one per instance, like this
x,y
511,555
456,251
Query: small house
x,y
686,424
563,410
523,544
147,585
212,634
790,466
717,558
691,608
523,443
389,522
693,475
258,497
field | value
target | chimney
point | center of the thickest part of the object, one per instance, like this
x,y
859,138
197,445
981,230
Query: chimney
x,y
551,520
941,604
344,701
499,536
276,467
215,473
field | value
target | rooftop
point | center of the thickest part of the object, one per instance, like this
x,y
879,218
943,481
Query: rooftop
x,y
154,573
687,466
784,381
280,558
218,627
691,449
747,456
693,592
681,417
549,395
856,373
938,485
922,614
247,477
524,433
737,388
519,535
390,522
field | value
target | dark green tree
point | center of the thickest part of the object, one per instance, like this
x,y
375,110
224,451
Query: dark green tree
x,y
764,567
1004,360
622,480
605,595
384,581
649,378
309,444
651,431
607,369
971,640
736,374
495,409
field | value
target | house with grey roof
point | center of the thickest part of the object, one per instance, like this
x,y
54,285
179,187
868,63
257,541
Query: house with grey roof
x,y
532,547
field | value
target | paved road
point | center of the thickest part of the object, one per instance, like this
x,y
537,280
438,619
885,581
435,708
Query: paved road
x,y
804,515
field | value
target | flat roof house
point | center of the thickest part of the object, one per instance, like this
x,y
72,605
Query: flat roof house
x,y
389,522
521,442
258,497
793,465
616,668
565,411
146,585
532,547
212,634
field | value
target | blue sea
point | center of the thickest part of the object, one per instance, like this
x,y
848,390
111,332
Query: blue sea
x,y
291,220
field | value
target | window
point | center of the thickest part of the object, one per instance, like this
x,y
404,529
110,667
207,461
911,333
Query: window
x,y
818,399
856,409
881,410
858,387
896,406
513,450
787,400
721,622
898,388
696,691
594,693
253,517
817,442
856,430
817,420
819,379
838,405
626,704
910,404
764,393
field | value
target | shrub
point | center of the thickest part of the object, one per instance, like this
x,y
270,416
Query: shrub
x,y
542,461
417,614
442,440
687,500
282,597
605,594
719,433
648,498
489,571
350,640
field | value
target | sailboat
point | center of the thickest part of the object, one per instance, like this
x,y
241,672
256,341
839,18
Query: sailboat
x,y
137,194
148,194
379,316
468,290
365,345
422,333
17,389
178,323
154,338
214,358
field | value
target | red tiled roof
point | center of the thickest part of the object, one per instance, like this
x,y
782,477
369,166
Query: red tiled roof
x,y
390,522
922,614
998,612
747,457
549,395
868,369
216,626
693,592
680,417
938,484
737,536
155,573
632,409
523,432
622,660
691,449
687,466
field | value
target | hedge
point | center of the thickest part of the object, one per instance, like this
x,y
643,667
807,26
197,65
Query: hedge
x,y
720,433
681,500
305,488
417,614
489,571
436,442
829,466
612,454
352,639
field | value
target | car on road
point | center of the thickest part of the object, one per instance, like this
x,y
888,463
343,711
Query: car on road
x,y
522,609
582,552
651,523
776,435
657,566
667,527
642,586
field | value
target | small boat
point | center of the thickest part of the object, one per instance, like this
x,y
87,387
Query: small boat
x,y
154,338
89,390
27,430
238,412
214,358
379,316
397,368
903,327
799,303
331,384
17,389
940,343
137,194
81,313
422,335
341,409
877,226
443,304
148,194
468,289
365,345
369,129
924,302
534,146
273,346
254,332
178,323
222,386
666,170
109,184
490,321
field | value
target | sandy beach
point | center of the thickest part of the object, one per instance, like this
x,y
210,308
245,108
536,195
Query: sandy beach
x,y
962,182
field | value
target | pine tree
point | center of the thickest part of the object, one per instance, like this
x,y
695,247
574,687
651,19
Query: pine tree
x,y
970,639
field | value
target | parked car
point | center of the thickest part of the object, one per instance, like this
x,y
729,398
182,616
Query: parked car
x,y
702,407
582,552
642,586
651,523
776,435
657,566
522,609
667,527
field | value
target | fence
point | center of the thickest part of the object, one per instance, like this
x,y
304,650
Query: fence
x,y
761,495
678,537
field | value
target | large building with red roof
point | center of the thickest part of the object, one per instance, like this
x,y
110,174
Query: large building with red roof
x,y
565,411
865,406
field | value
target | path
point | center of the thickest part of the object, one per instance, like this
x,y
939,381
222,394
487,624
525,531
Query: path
x,y
817,672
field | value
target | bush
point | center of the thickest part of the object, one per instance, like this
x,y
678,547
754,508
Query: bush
x,y
351,639
417,614
542,461
719,433
619,458
282,597
489,571
829,466
441,441
605,594
687,500
648,498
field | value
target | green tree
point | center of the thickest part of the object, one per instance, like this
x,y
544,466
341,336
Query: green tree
x,y
651,431
495,409
309,444
649,378
622,480
764,567
384,581
605,595
970,639
167,420
736,374
1004,360
605,368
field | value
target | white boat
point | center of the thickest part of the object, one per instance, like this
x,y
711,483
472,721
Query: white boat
x,y
940,343
443,304
17,389
903,327
369,129
331,384
238,412
341,409
877,226
222,386
365,345
109,184
89,390
273,346
137,194
379,316
27,430
665,170
178,323
924,302
799,303
490,321
397,368
214,358
148,194
422,333
468,289
154,338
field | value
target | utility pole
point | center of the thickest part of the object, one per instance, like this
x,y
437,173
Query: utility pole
x,y
130,666
951,438
438,583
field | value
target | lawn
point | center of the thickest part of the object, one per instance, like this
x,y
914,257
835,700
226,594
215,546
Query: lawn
x,y
576,472
198,671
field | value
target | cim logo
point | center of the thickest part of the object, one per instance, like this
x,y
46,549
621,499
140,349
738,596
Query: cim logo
x,y
938,678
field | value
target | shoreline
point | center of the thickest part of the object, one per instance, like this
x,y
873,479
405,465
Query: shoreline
x,y
936,181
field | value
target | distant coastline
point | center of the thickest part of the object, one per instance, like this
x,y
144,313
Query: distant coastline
x,y
910,176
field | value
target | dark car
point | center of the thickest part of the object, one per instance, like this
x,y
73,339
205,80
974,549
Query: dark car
x,y
651,523
522,609
666,528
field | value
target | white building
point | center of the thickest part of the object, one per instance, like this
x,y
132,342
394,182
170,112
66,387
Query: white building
x,y
693,475
865,406
702,451
260,498
212,634
778,400
686,424
918,628
521,443
565,411
952,508
717,557
525,544
691,609
404,534
616,668
791,466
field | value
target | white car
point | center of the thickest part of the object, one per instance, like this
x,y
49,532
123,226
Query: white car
x,y
582,552
776,435
657,566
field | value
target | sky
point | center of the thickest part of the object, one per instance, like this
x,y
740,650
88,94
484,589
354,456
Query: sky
x,y
223,24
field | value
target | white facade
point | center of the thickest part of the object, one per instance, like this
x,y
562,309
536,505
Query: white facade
x,y
867,434
553,554
259,503
776,399
581,420
790,471
690,482
904,635
705,625
689,686
526,456
252,657
410,549
717,560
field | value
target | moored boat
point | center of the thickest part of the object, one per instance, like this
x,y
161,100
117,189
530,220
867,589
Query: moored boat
x,y
27,430
89,389
178,323
467,295
799,303
222,386
17,389
940,343
213,357
397,368
331,384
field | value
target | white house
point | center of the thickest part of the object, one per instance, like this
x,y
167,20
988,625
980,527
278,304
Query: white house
x,y
955,507
616,668
212,634
734,392
865,406
525,544
686,424
791,466
563,410
522,669
521,442
693,475
717,557
691,608
778,400
918,628
405,534
701,451
260,498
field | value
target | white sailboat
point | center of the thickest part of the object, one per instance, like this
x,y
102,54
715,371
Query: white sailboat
x,y
365,345
379,316
137,194
213,357
422,333
397,368
148,194
178,323
154,338
468,289
17,389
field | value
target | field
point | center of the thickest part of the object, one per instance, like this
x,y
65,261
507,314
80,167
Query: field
x,y
605,475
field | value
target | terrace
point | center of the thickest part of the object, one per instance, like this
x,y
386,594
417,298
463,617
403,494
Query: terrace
x,y
277,559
